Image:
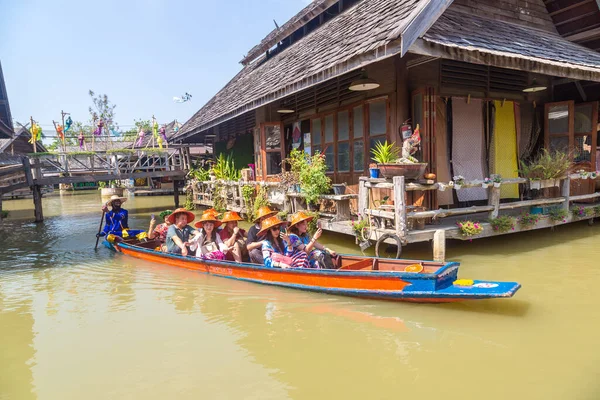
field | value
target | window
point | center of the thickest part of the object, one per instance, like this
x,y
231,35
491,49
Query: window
x,y
359,124
316,135
273,145
328,146
377,123
343,144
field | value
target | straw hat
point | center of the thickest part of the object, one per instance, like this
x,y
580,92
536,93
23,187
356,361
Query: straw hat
x,y
190,215
299,217
264,212
115,197
269,223
211,211
207,217
230,216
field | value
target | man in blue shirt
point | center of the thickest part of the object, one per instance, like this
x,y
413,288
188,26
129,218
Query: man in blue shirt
x,y
116,218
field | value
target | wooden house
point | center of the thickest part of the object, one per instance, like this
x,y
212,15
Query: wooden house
x,y
487,81
6,125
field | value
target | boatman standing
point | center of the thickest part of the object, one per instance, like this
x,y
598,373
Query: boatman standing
x,y
116,218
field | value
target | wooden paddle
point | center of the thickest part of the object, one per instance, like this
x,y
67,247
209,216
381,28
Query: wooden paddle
x,y
99,229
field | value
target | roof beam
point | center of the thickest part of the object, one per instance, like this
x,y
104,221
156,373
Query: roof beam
x,y
584,36
562,10
423,17
581,91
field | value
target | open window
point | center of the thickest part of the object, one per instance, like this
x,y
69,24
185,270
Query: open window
x,y
272,149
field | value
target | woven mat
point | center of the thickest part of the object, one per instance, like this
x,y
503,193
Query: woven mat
x,y
468,156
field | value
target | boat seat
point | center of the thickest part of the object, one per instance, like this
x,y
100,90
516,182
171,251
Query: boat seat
x,y
367,263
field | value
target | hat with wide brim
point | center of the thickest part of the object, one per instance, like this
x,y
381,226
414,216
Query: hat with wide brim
x,y
231,216
211,211
269,223
299,217
207,217
115,197
190,215
263,212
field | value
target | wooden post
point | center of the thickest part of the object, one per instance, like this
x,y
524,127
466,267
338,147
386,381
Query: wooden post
x,y
37,203
64,145
363,198
176,192
31,132
1,209
399,207
439,245
494,200
566,193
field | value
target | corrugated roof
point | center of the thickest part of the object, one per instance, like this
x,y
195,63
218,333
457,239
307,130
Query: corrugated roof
x,y
359,36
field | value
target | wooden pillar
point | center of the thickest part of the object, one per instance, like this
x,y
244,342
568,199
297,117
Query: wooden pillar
x,y
37,203
363,198
1,208
566,193
399,207
439,245
494,200
176,192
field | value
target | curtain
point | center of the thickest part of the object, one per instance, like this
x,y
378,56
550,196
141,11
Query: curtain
x,y
503,154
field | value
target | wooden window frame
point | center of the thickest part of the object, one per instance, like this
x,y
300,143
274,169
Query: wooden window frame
x,y
263,147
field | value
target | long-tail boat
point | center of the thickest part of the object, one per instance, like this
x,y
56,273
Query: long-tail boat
x,y
356,276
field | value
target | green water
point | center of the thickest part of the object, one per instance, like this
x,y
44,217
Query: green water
x,y
83,324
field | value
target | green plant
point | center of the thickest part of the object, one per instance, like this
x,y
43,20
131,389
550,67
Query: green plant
x,y
469,228
189,200
81,153
248,193
528,220
383,201
360,228
546,165
312,227
582,212
597,211
503,223
200,174
46,153
385,153
3,214
311,174
496,178
558,214
261,199
101,185
224,168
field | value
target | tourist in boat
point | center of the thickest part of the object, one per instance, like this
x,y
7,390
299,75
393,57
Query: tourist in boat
x,y
254,243
233,237
209,244
319,256
116,219
277,250
180,232
160,232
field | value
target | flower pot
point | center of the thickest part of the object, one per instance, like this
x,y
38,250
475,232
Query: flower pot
x,y
339,189
407,170
497,184
374,172
457,186
441,187
485,185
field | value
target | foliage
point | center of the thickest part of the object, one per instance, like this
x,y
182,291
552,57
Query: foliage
x,y
458,180
224,169
385,153
597,211
469,228
248,193
121,151
3,214
360,227
219,198
582,212
103,109
312,225
200,174
189,200
81,153
311,174
503,223
132,133
496,178
383,201
558,214
101,185
46,153
260,200
155,151
528,220
546,165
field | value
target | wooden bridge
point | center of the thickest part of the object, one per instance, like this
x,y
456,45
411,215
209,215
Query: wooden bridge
x,y
68,168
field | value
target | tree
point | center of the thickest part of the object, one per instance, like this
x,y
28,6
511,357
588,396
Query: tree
x,y
103,109
132,133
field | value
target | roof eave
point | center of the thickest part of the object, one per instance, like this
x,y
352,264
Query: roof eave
x,y
507,60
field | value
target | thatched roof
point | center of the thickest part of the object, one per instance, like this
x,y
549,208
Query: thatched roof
x,y
376,29
361,35
470,38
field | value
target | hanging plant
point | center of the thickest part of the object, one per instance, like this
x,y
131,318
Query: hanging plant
x,y
469,228
503,223
528,220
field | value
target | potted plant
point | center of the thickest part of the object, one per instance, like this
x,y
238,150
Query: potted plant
x,y
486,183
469,228
527,220
311,174
593,174
583,174
458,181
497,180
389,162
558,214
503,223
373,170
546,169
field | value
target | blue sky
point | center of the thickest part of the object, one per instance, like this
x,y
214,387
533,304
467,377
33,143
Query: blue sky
x,y
140,53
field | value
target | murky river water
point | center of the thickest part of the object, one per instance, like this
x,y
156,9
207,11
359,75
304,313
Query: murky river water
x,y
80,324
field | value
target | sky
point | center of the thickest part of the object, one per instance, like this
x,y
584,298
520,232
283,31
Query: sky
x,y
139,53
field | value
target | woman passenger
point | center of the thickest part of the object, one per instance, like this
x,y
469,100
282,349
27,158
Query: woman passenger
x,y
319,256
209,245
277,250
160,232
